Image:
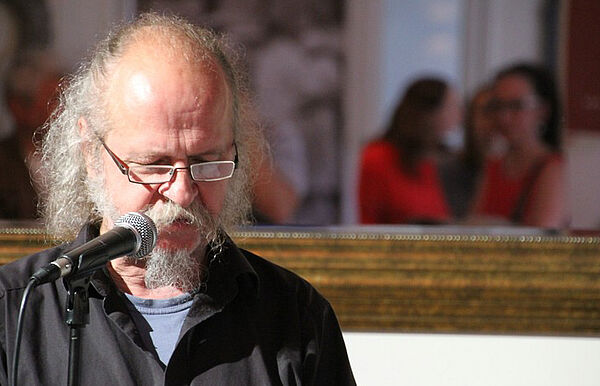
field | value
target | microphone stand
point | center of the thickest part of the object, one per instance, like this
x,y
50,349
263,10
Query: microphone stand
x,y
77,316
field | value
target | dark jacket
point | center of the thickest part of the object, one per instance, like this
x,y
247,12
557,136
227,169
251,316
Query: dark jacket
x,y
255,323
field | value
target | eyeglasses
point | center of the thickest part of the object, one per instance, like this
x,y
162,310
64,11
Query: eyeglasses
x,y
160,174
514,105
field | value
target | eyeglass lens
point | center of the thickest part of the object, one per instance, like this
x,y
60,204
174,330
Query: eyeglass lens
x,y
207,171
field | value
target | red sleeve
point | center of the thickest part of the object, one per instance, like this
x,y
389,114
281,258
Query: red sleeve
x,y
372,185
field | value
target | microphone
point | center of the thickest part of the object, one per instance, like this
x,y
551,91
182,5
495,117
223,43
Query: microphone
x,y
134,235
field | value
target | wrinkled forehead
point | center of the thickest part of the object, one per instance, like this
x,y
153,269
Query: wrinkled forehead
x,y
155,80
141,77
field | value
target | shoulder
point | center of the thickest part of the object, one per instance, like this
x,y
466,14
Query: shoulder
x,y
555,159
552,168
275,277
379,148
16,275
379,153
277,281
294,312
290,304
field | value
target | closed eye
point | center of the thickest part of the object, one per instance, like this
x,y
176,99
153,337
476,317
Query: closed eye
x,y
148,163
200,160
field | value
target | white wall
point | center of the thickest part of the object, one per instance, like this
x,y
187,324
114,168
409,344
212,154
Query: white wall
x,y
420,37
498,33
362,96
583,158
383,359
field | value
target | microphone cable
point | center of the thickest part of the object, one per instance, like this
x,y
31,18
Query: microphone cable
x,y
20,320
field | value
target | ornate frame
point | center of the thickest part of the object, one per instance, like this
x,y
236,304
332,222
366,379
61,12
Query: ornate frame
x,y
425,279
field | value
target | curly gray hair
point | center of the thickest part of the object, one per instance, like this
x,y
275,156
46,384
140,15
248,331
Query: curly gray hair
x,y
70,197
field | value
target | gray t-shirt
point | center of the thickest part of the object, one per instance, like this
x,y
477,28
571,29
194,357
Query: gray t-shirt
x,y
161,319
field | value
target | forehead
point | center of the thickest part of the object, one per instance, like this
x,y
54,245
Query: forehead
x,y
483,96
154,94
451,96
513,86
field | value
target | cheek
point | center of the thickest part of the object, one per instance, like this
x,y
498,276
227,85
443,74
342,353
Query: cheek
x,y
485,126
522,125
509,130
535,120
125,196
509,122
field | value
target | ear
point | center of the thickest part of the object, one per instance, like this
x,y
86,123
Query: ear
x,y
86,146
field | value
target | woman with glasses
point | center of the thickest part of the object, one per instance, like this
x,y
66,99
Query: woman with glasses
x,y
527,184
399,180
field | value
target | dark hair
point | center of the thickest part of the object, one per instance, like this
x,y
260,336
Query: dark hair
x,y
544,86
473,154
412,124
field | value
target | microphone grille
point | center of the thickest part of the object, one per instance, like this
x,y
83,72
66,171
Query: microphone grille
x,y
145,229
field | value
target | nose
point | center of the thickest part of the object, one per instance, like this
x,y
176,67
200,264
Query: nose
x,y
502,115
181,189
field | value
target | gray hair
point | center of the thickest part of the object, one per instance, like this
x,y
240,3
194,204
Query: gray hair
x,y
68,200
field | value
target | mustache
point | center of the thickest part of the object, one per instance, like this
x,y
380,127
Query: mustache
x,y
171,212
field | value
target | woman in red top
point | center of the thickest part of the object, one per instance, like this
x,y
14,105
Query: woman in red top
x,y
399,181
526,185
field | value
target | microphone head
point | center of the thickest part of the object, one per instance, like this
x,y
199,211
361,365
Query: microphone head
x,y
144,229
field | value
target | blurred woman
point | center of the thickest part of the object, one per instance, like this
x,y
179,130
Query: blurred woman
x,y
399,180
527,185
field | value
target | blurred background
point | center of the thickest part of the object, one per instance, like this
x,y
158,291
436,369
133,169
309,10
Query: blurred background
x,y
327,74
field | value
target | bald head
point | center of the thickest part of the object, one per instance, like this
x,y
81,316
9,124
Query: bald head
x,y
151,75
155,47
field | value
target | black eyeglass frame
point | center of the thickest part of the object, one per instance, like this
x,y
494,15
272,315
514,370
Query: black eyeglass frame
x,y
124,168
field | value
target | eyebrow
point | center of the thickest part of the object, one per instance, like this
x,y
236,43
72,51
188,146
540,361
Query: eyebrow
x,y
157,156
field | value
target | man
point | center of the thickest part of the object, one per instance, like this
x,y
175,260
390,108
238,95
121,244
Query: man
x,y
156,123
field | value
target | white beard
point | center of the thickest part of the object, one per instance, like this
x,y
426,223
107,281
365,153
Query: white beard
x,y
175,268
180,268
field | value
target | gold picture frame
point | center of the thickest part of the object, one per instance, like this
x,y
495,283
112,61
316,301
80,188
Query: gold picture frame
x,y
425,280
